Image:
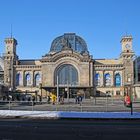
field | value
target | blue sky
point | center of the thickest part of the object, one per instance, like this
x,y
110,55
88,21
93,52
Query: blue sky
x,y
101,23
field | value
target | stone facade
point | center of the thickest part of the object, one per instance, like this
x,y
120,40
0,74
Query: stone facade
x,y
137,76
1,77
76,69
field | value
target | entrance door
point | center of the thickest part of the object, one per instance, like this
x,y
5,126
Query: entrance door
x,y
67,75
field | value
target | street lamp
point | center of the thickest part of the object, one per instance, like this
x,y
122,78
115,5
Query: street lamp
x,y
41,90
129,95
57,89
67,91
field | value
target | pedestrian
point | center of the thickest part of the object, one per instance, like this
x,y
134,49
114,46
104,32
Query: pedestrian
x,y
53,99
40,98
59,98
62,100
76,99
33,100
48,99
80,98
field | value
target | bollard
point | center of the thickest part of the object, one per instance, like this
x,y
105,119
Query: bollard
x,y
9,105
94,100
112,100
56,109
32,105
81,108
106,103
131,108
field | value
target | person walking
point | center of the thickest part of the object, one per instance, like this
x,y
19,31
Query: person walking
x,y
53,99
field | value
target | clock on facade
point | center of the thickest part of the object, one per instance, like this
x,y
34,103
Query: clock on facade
x,y
127,46
8,48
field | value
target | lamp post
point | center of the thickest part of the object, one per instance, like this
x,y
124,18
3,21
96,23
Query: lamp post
x,y
41,91
112,95
67,90
136,61
57,89
129,99
131,95
9,83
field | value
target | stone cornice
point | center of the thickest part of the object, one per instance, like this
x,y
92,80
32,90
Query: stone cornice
x,y
68,53
28,66
109,67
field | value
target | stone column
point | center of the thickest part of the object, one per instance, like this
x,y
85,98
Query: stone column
x,y
113,78
103,78
32,78
91,74
22,78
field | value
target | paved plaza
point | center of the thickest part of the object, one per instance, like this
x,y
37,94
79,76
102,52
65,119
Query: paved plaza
x,y
98,104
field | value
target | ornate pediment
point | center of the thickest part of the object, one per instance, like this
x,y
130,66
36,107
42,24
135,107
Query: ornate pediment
x,y
66,54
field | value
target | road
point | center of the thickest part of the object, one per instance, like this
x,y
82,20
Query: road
x,y
18,129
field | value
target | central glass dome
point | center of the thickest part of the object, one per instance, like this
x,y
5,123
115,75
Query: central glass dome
x,y
69,41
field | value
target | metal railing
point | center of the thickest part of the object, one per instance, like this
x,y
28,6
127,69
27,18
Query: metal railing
x,y
88,105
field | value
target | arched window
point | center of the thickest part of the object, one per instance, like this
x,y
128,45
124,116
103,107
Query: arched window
x,y
107,80
67,75
97,79
28,80
117,80
18,79
37,79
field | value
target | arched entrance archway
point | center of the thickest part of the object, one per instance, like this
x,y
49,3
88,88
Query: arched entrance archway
x,y
67,79
67,75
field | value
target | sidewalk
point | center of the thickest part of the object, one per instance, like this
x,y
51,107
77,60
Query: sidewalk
x,y
70,115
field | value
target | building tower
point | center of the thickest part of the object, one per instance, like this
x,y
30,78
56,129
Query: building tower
x,y
127,58
10,59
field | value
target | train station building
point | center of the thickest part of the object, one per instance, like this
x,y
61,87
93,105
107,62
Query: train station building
x,y
70,67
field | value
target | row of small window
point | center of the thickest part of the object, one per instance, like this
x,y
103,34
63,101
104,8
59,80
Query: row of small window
x,y
107,80
28,80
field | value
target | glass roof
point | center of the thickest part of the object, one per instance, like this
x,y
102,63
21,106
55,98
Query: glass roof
x,y
71,41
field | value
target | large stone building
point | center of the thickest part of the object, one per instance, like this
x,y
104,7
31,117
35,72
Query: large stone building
x,y
1,71
70,65
1,77
137,76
